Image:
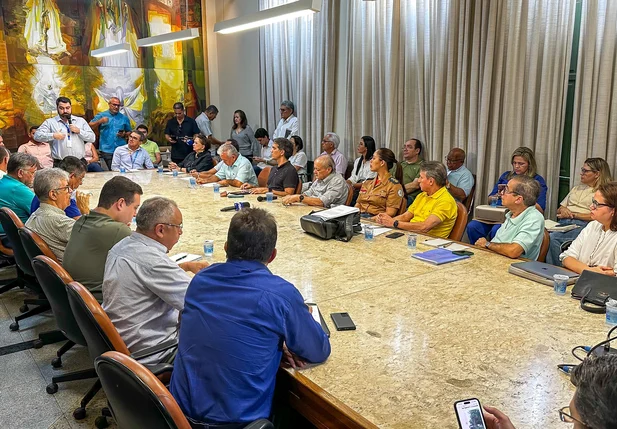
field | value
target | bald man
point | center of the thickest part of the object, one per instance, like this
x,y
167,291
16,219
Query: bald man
x,y
114,129
460,180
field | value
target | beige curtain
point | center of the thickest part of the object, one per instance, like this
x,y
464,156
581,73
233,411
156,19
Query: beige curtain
x,y
594,125
484,76
297,63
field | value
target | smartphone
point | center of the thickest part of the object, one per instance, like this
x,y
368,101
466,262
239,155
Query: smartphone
x,y
343,322
395,235
469,414
317,317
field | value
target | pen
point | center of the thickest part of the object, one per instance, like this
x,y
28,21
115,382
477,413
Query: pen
x,y
181,258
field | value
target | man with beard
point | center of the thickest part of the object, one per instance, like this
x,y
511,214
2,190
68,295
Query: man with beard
x,y
67,134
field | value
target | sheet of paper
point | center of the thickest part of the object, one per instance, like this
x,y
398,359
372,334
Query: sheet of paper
x,y
184,257
378,230
207,185
337,211
437,242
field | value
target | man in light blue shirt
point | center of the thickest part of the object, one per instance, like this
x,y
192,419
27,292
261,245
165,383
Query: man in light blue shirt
x,y
132,156
235,171
522,233
67,134
113,129
460,179
15,192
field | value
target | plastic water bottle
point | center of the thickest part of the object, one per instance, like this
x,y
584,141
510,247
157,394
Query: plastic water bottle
x,y
560,282
122,170
368,232
412,240
611,312
193,182
269,197
175,173
160,169
216,188
209,248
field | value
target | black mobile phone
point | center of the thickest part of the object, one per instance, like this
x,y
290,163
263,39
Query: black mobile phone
x,y
343,322
469,414
395,235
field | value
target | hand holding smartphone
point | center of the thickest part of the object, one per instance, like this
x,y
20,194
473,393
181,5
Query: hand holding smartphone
x,y
469,414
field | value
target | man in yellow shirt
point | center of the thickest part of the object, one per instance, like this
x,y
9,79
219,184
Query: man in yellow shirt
x,y
434,209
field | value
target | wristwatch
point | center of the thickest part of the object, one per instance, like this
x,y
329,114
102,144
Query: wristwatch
x,y
395,224
487,244
301,197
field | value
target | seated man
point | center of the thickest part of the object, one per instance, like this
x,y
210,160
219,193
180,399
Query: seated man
x,y
327,189
433,211
460,180
15,192
49,221
239,320
265,156
80,203
234,171
283,179
329,145
143,289
132,156
219,164
593,402
522,232
4,160
41,150
412,160
149,146
98,231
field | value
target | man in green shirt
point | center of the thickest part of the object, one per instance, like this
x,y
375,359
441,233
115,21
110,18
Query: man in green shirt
x,y
149,146
97,232
412,155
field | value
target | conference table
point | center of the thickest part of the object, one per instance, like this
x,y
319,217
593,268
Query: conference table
x,y
426,335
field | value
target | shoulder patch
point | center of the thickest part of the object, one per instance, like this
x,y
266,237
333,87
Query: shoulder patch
x,y
400,193
393,180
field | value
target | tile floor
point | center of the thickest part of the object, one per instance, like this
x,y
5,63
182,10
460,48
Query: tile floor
x,y
24,403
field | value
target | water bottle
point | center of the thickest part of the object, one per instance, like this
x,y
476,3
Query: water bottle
x,y
175,173
122,170
216,188
193,182
160,169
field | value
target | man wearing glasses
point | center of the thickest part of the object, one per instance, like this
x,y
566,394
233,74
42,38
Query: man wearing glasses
x,y
143,289
114,128
593,403
132,156
522,233
288,125
15,192
460,180
51,187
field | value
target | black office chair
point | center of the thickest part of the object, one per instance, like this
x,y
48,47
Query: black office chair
x,y
53,278
101,336
11,224
138,399
7,259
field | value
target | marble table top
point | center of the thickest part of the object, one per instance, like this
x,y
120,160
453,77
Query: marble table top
x,y
426,335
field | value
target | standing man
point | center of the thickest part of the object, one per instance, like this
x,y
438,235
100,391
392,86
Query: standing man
x,y
412,159
239,321
288,125
150,146
329,145
460,179
132,156
41,150
204,122
67,134
178,130
113,130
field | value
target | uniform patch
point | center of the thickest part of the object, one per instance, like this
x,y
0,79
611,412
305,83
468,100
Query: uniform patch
x,y
400,193
393,180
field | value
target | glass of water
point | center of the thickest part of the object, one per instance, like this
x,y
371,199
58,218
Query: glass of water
x,y
412,240
369,232
209,248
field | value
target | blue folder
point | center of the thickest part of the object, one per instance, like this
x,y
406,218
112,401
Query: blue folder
x,y
438,256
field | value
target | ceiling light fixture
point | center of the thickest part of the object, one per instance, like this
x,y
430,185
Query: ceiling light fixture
x,y
120,48
176,36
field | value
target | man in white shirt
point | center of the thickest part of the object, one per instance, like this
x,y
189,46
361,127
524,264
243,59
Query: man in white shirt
x,y
265,158
329,145
288,125
66,133
143,289
204,123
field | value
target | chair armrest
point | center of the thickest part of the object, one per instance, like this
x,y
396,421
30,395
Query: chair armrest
x,y
155,349
159,368
260,424
564,246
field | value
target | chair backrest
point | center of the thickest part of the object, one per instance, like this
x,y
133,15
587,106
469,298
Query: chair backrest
x,y
53,280
262,179
11,224
34,245
349,195
100,334
298,188
468,202
461,222
546,241
137,398
403,208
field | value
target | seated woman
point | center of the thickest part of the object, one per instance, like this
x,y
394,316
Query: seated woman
x,y
197,161
362,166
92,158
595,248
298,158
574,209
523,162
384,193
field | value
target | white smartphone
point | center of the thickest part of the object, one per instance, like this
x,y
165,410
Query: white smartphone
x,y
469,414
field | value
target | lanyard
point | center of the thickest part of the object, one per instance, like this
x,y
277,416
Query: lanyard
x,y
68,131
133,159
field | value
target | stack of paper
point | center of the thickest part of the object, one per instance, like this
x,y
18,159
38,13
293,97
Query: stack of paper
x,y
448,244
184,257
335,212
553,226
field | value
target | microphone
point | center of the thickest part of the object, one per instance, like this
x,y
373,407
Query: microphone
x,y
260,198
236,207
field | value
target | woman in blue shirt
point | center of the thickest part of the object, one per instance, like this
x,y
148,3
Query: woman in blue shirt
x,y
523,162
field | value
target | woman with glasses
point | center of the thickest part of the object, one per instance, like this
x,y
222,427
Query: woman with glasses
x,y
384,193
574,209
595,249
244,135
197,161
523,162
361,170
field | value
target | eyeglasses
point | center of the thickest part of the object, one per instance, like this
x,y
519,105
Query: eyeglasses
x,y
595,204
585,170
114,104
174,225
508,191
565,415
64,188
134,138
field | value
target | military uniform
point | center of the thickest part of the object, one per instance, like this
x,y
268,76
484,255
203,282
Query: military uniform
x,y
375,197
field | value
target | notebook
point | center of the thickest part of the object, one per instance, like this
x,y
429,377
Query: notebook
x,y
438,256
541,272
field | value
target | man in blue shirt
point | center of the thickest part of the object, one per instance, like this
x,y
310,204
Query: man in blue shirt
x,y
234,171
113,130
15,187
460,179
237,322
132,156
